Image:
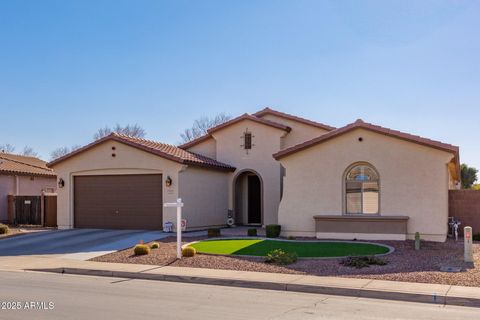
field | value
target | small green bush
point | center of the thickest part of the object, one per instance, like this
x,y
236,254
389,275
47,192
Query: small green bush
x,y
141,249
476,237
4,229
213,232
155,245
278,256
362,262
291,238
189,252
252,232
273,230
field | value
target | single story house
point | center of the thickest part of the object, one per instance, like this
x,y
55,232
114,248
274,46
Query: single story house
x,y
23,176
360,181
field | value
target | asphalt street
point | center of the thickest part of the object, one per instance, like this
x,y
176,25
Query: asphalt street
x,y
55,296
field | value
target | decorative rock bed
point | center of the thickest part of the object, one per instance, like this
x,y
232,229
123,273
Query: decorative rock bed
x,y
404,264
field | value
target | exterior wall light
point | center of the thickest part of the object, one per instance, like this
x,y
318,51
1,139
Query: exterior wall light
x,y
61,183
168,181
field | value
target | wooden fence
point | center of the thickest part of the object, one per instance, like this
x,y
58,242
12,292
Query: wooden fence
x,y
33,210
50,211
464,205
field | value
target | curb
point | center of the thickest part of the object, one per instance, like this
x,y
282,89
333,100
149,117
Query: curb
x,y
280,286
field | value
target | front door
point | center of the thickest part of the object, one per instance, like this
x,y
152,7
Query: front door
x,y
254,200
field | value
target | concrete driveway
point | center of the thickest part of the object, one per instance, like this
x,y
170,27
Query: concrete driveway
x,y
80,244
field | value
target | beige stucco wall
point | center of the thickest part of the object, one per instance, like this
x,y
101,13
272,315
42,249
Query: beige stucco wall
x,y
207,148
266,141
26,187
205,193
414,182
301,132
34,187
99,161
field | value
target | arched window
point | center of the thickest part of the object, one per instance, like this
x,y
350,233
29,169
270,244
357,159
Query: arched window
x,y
362,190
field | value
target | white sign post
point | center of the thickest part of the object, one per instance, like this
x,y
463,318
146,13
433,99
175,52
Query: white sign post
x,y
467,239
178,205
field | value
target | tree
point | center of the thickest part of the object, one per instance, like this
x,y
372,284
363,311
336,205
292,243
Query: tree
x,y
476,187
201,126
7,148
469,176
60,152
29,152
129,130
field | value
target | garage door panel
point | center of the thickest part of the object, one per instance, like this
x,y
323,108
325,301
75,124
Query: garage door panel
x,y
118,201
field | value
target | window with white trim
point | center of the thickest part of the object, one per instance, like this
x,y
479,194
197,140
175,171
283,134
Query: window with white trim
x,y
362,190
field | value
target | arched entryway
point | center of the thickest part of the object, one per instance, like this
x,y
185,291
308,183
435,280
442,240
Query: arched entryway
x,y
248,198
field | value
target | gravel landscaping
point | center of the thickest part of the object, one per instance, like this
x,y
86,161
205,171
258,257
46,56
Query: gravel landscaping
x,y
405,264
19,230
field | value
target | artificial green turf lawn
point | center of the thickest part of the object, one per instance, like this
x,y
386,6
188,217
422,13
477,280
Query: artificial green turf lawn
x,y
260,247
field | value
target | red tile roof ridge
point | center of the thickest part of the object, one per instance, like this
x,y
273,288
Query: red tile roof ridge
x,y
244,116
268,110
161,149
2,156
16,166
368,126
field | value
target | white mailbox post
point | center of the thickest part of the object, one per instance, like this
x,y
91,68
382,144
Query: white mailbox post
x,y
467,239
178,205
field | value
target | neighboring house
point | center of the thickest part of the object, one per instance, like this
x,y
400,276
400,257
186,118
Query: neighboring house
x,y
360,181
23,176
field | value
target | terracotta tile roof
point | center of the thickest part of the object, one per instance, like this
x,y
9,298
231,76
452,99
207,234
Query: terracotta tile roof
x,y
196,141
160,149
371,127
244,116
247,116
13,164
268,110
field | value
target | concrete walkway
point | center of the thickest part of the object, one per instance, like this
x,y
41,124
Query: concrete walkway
x,y
365,288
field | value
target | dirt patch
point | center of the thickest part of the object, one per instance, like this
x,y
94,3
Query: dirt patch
x,y
405,264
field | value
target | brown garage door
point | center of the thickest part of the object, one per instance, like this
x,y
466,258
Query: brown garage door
x,y
118,201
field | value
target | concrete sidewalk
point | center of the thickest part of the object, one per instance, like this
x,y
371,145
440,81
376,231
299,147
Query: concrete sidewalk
x,y
365,288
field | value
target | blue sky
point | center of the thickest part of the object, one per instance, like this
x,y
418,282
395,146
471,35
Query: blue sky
x,y
70,67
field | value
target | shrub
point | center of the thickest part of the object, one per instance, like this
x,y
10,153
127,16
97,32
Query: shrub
x,y
476,237
252,232
291,238
4,228
141,249
213,232
362,262
273,230
278,256
188,252
155,245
